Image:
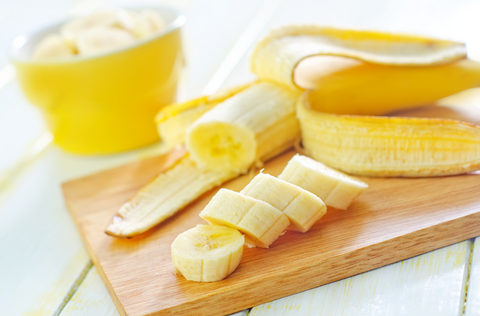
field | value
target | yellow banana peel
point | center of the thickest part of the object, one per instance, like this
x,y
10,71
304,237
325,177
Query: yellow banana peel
x,y
276,56
369,89
389,146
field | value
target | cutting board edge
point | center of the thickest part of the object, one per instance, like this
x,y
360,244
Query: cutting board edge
x,y
466,227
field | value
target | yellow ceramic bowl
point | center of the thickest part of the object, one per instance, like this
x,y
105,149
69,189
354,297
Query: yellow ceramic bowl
x,y
104,103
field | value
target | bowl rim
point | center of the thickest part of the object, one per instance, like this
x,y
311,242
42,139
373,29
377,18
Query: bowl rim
x,y
21,40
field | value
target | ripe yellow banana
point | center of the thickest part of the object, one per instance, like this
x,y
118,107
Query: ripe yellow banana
x,y
164,196
390,146
301,207
249,127
207,253
174,119
259,221
336,189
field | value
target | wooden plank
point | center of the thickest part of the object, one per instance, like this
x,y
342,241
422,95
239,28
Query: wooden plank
x,y
42,257
431,285
393,220
473,294
91,298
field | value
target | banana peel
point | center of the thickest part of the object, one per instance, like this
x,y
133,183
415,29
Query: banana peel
x,y
278,54
389,146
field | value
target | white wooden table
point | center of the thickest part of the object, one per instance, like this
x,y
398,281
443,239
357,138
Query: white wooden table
x,y
44,268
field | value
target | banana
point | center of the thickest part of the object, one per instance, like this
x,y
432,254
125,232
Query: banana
x,y
253,125
50,47
390,146
261,223
207,253
301,207
361,88
277,55
174,119
102,39
164,196
226,137
148,22
336,189
71,30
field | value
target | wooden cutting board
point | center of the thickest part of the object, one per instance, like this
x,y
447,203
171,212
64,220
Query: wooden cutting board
x,y
393,220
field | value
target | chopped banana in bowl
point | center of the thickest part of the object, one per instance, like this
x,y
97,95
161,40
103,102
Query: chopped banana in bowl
x,y
99,32
100,80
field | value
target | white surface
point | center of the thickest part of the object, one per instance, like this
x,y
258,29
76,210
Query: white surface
x,y
473,295
430,284
43,260
91,298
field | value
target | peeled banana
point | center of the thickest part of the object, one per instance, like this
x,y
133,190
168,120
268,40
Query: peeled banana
x,y
99,32
164,196
71,30
174,119
102,39
301,207
148,22
52,46
261,223
390,146
252,126
207,253
336,189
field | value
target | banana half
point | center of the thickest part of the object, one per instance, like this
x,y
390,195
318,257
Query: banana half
x,y
248,127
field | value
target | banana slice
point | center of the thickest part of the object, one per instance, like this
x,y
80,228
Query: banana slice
x,y
164,196
50,47
259,221
207,253
336,189
148,22
102,39
71,30
251,126
301,207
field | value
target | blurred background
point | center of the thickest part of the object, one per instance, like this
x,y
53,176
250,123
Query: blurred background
x,y
42,259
